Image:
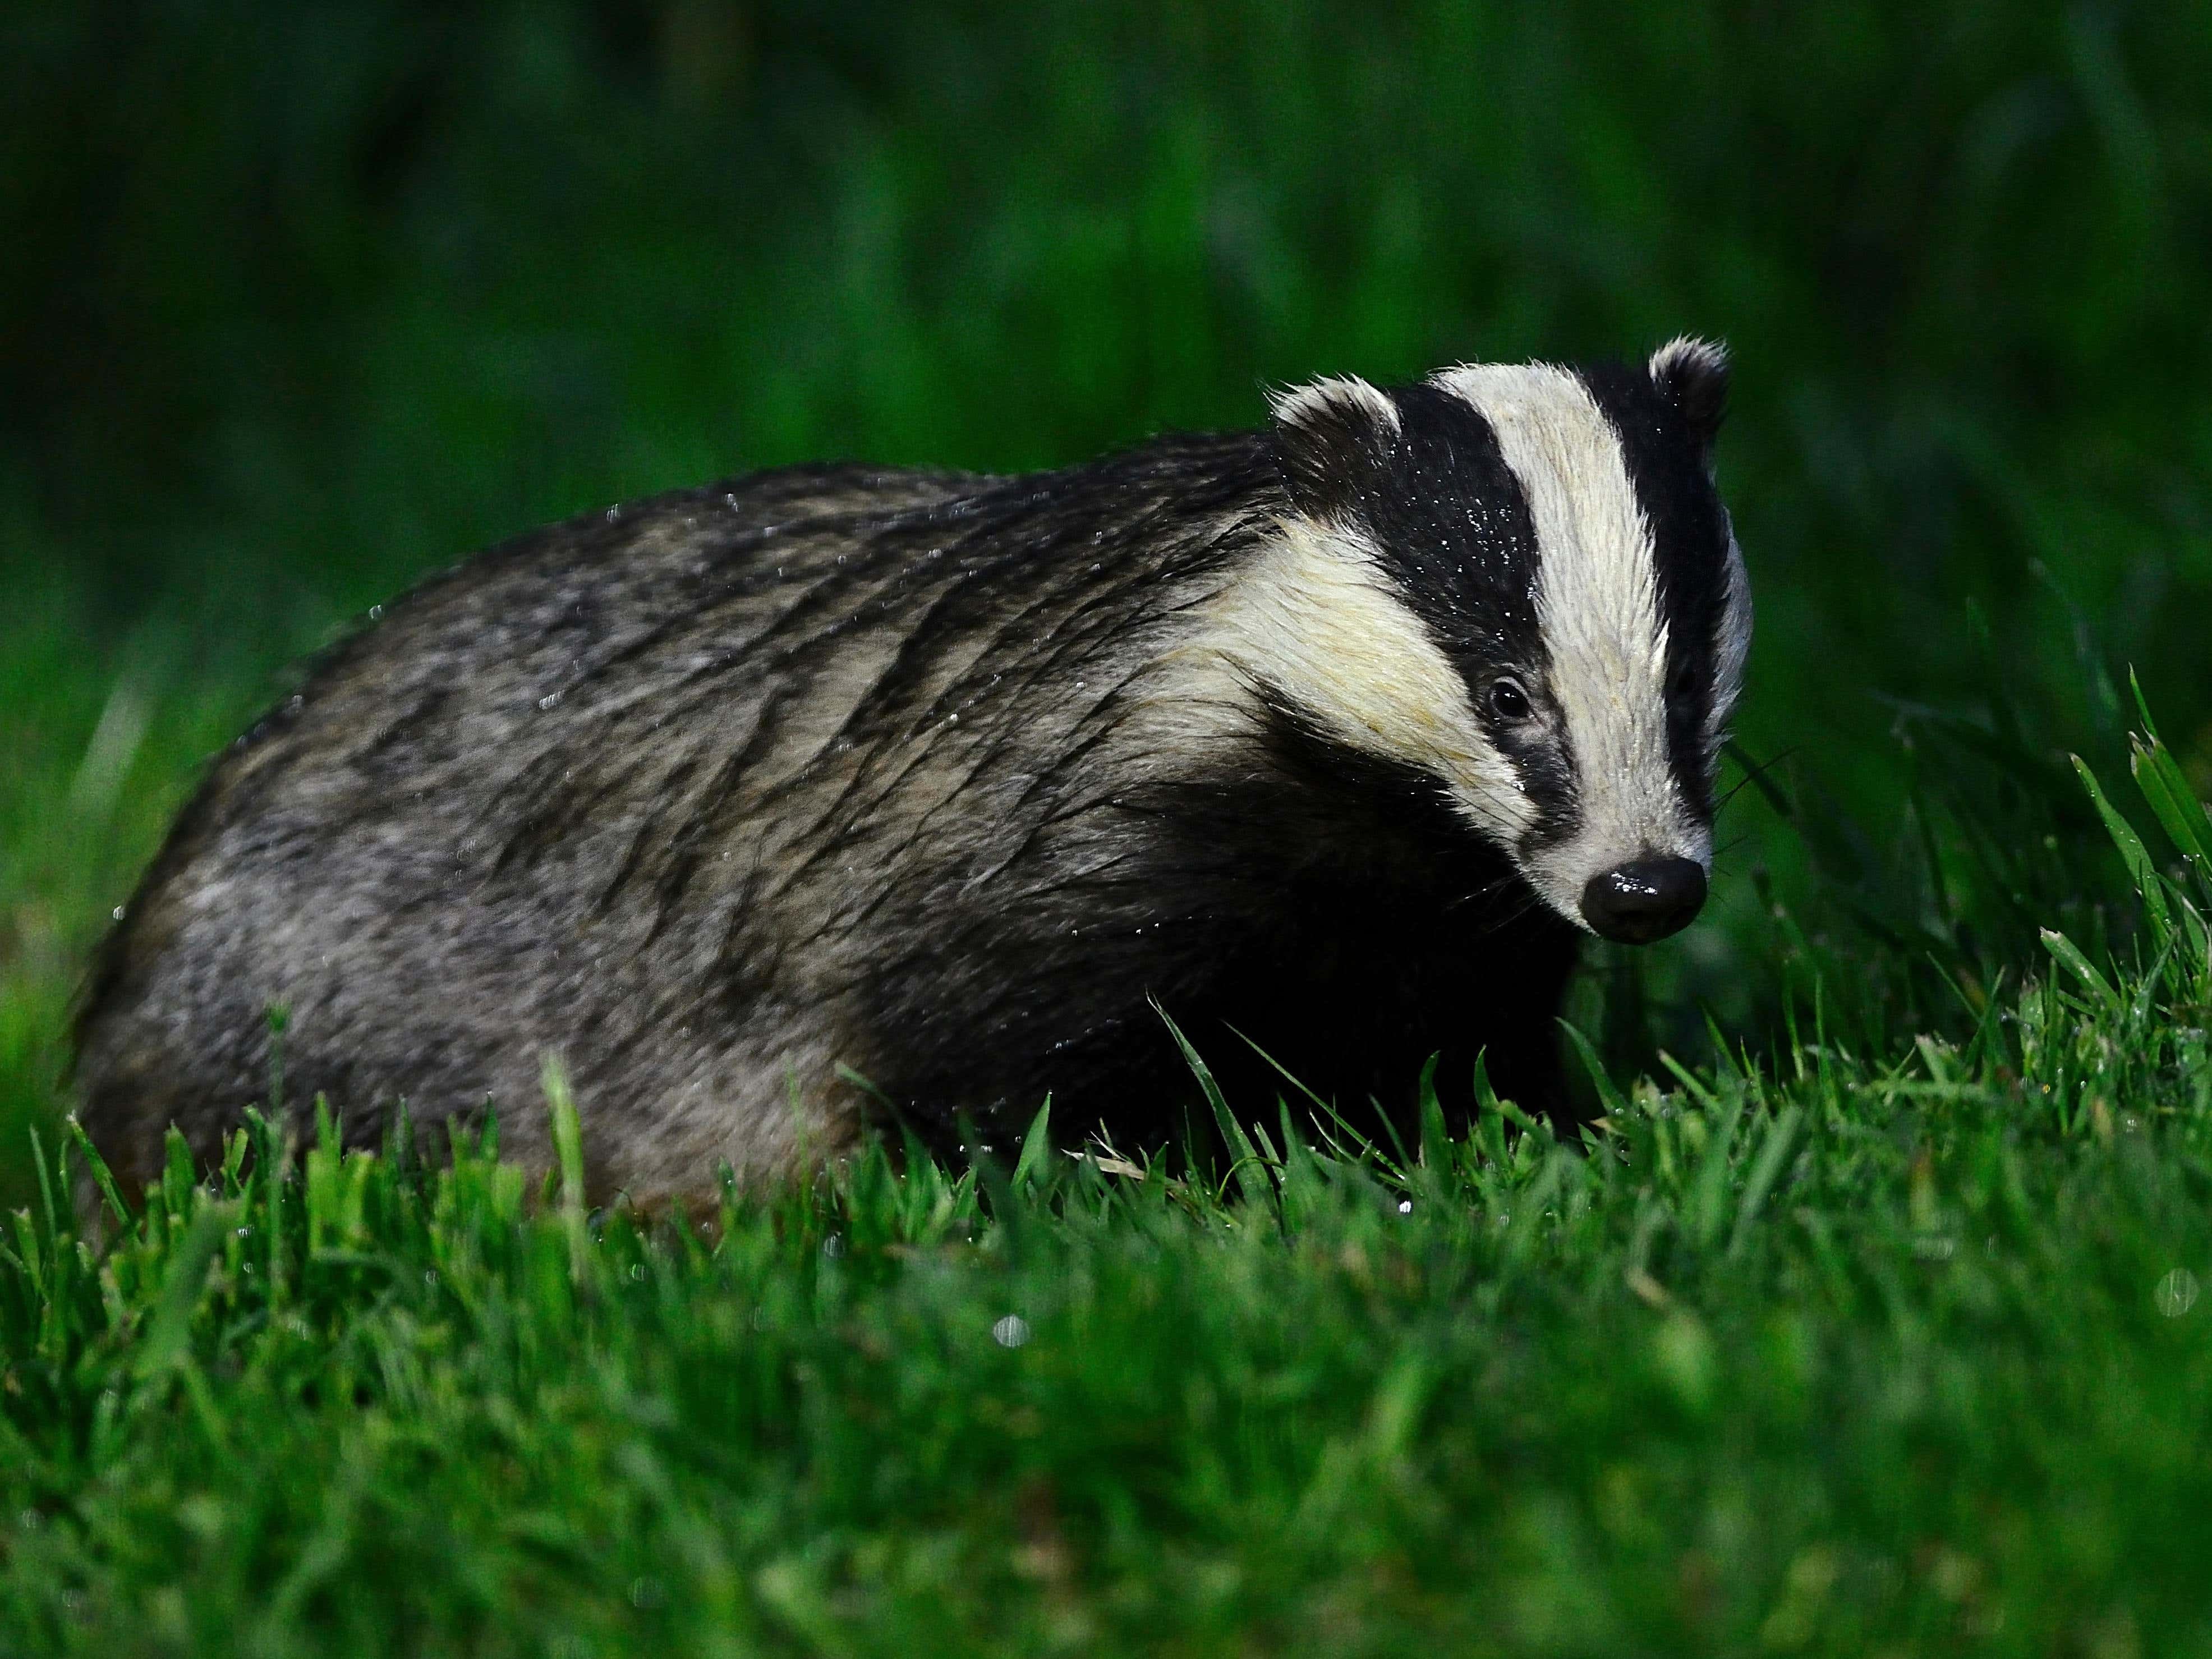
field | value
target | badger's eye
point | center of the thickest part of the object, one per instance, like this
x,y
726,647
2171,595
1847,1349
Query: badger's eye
x,y
1507,701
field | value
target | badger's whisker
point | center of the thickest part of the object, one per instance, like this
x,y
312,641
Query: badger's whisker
x,y
1752,775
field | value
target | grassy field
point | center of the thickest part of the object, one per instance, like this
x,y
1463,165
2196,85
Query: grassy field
x,y
1872,1322
1836,1354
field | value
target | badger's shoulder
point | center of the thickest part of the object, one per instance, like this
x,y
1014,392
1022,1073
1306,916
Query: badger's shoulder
x,y
774,603
789,559
615,572
761,536
471,635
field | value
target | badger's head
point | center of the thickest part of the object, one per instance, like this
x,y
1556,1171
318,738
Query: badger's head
x,y
1519,581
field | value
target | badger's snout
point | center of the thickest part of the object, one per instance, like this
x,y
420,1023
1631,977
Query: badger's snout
x,y
1635,903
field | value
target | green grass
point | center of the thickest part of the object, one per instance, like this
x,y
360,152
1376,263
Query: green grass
x,y
1844,1353
1869,1328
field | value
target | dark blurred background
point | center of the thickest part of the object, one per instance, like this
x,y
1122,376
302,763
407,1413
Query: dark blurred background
x,y
300,301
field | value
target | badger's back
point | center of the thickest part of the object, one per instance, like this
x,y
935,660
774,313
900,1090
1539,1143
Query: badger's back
x,y
698,793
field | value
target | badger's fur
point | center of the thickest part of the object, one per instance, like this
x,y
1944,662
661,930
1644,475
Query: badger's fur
x,y
830,792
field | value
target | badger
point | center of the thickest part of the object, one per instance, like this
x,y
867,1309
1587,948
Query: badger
x,y
834,797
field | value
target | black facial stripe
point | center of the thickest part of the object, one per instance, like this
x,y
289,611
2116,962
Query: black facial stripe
x,y
1689,536
1455,536
1455,533
1548,775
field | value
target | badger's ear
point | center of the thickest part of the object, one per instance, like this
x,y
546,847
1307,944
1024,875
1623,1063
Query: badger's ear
x,y
1332,438
1693,375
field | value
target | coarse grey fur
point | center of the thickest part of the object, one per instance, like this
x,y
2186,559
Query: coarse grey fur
x,y
738,796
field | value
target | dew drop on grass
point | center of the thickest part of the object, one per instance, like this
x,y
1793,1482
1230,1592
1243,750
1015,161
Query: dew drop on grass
x,y
1010,1332
2176,1293
834,1246
1405,1207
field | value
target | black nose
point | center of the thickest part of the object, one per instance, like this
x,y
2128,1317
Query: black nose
x,y
1650,899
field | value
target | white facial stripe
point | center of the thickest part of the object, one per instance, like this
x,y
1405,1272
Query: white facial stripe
x,y
1315,619
1731,647
1597,603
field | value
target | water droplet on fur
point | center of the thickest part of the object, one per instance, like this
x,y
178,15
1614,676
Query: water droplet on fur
x,y
549,700
376,613
118,913
1010,1332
